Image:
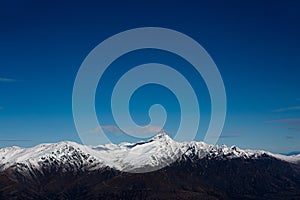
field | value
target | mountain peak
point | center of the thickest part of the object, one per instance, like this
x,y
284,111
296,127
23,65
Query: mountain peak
x,y
157,152
161,135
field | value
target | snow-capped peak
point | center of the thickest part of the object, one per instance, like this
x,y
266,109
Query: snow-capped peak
x,y
162,135
143,156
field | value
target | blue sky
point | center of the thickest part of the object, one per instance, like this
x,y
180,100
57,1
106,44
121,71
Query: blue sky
x,y
255,45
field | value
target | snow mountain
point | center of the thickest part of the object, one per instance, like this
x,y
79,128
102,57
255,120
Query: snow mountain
x,y
144,156
187,170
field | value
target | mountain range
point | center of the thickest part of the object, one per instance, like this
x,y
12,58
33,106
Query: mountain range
x,y
159,168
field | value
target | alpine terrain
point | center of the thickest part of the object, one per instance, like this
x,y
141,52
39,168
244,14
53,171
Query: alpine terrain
x,y
159,168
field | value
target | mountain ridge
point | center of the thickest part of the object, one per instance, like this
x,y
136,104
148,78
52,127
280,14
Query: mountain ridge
x,y
189,170
156,153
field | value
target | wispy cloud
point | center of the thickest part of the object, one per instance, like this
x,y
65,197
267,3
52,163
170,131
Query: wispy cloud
x,y
15,140
290,123
109,128
288,120
289,137
6,79
112,129
146,130
229,136
231,133
287,109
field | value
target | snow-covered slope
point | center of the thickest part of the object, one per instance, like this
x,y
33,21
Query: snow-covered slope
x,y
291,159
69,156
153,154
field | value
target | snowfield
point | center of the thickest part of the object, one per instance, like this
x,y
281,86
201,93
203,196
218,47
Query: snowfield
x,y
155,153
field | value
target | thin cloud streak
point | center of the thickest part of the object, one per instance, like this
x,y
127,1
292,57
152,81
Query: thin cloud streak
x,y
231,133
6,79
147,130
112,129
109,128
288,120
15,140
291,123
287,109
229,136
289,137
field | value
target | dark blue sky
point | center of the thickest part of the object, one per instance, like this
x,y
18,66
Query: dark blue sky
x,y
255,45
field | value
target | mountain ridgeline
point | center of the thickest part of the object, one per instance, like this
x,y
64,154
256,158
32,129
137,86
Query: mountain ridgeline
x,y
159,168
